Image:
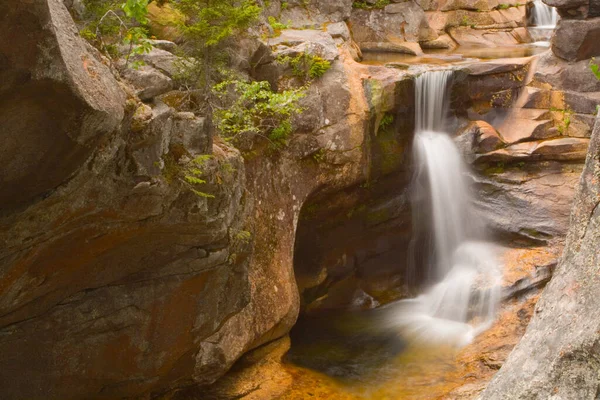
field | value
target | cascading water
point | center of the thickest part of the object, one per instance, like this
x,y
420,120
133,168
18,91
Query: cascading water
x,y
543,15
544,19
463,302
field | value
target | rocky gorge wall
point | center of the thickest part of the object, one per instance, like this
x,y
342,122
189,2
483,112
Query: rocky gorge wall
x,y
559,353
118,280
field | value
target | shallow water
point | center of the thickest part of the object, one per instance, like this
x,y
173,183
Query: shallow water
x,y
344,356
457,56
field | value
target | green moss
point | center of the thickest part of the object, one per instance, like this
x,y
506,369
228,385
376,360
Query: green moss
x,y
497,168
172,169
319,156
363,5
378,216
386,121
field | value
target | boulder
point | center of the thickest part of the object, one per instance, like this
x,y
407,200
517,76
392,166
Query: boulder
x,y
148,81
479,137
566,4
130,281
527,200
561,344
564,75
57,103
164,61
576,40
293,42
164,22
312,14
560,149
398,22
393,47
514,129
442,42
339,30
466,36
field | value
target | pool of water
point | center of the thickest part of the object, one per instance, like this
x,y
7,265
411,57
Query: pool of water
x,y
457,56
357,356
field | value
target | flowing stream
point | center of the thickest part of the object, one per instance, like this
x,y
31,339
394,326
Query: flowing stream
x,y
544,19
465,275
543,15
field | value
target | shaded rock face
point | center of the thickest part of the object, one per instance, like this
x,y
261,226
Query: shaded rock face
x,y
560,352
576,36
124,283
577,40
57,101
355,241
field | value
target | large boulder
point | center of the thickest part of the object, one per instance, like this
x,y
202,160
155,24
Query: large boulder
x,y
57,100
560,352
577,40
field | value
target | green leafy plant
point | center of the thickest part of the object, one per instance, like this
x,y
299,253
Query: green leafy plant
x,y
386,121
306,66
277,26
243,236
207,25
563,126
256,110
595,68
193,174
111,23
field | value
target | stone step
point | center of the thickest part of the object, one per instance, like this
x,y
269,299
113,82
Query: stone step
x,y
583,103
515,130
562,149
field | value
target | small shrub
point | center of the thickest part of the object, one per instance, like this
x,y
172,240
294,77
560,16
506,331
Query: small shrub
x,y
307,66
563,126
117,22
277,26
192,175
386,121
256,110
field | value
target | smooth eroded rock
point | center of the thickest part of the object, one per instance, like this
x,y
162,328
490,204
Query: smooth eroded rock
x,y
576,40
57,100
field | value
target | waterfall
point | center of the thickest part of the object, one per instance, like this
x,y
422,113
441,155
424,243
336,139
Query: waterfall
x,y
544,16
466,277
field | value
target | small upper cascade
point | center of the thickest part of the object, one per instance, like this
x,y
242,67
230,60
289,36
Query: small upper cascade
x,y
543,15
